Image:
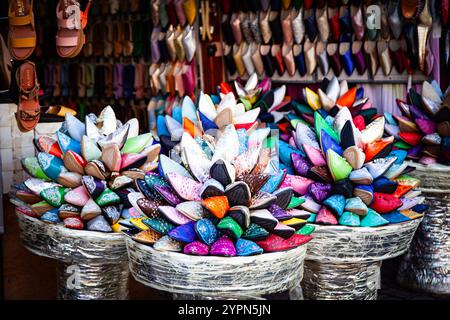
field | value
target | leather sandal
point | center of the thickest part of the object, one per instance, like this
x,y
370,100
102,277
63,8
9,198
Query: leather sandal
x,y
71,21
22,32
28,109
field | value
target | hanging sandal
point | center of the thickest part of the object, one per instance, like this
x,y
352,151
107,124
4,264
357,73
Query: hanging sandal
x,y
22,33
69,37
28,109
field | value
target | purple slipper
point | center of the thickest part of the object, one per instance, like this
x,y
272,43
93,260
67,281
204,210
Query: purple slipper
x,y
196,248
279,213
426,126
300,164
320,191
167,193
414,152
223,247
184,233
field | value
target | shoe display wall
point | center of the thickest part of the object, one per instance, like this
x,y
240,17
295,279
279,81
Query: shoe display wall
x,y
337,34
120,53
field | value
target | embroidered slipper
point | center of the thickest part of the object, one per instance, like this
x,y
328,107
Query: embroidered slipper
x,y
22,32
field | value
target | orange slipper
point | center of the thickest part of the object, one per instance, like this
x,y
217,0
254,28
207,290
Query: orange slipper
x,y
379,148
218,206
347,99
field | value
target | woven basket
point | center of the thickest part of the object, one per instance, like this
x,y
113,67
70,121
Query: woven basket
x,y
426,266
216,277
344,263
90,265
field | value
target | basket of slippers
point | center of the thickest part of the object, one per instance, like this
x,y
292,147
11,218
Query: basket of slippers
x,y
355,185
79,189
423,130
214,222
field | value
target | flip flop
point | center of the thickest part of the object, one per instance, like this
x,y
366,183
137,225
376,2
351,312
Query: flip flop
x,y
28,109
22,33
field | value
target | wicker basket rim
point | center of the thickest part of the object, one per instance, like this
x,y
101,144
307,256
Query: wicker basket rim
x,y
197,259
72,233
362,229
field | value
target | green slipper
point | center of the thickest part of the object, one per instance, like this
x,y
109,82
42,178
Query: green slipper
x,y
230,227
54,196
295,202
306,230
339,167
89,149
159,225
320,124
108,197
255,233
137,144
32,167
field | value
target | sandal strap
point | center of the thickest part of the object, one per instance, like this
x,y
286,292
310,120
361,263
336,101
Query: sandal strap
x,y
74,20
14,20
23,42
26,116
20,21
66,41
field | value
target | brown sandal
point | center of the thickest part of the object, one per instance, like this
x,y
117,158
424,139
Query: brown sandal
x,y
28,109
22,33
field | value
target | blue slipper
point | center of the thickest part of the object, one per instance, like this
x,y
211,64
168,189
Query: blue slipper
x,y
206,231
51,165
247,248
349,219
67,143
395,217
373,219
335,203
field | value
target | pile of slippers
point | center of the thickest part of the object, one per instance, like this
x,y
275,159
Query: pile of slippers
x,y
423,128
216,191
84,178
332,151
337,158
